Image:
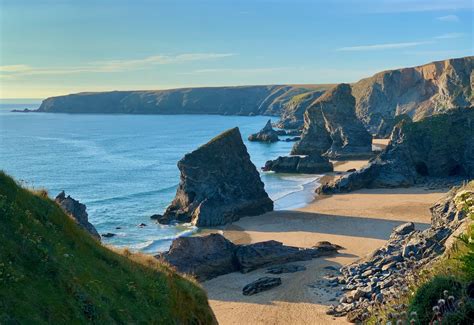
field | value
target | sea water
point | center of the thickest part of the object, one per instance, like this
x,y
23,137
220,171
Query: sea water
x,y
123,167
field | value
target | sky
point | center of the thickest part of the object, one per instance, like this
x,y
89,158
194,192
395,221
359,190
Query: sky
x,y
50,48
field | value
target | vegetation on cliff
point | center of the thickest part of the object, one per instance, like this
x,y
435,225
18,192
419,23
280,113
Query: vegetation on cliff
x,y
444,292
52,271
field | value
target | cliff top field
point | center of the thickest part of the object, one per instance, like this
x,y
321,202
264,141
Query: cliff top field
x,y
51,271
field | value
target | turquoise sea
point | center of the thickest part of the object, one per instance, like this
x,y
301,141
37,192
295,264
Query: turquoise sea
x,y
123,167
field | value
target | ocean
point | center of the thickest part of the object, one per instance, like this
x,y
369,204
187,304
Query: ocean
x,y
123,167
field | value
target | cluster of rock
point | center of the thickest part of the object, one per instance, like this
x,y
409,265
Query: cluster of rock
x,y
437,146
292,116
218,184
388,271
267,134
209,256
77,211
312,164
331,128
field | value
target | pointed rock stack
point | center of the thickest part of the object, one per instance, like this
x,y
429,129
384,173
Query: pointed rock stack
x,y
267,134
219,184
332,128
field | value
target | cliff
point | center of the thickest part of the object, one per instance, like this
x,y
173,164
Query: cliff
x,y
333,129
419,91
218,184
242,100
437,146
52,271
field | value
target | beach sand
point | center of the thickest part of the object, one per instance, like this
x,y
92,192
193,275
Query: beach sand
x,y
360,221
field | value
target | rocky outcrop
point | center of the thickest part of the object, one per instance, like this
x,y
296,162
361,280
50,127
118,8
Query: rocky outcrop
x,y
332,128
313,164
419,92
205,257
212,255
77,211
382,275
292,116
438,146
241,100
261,284
218,184
267,134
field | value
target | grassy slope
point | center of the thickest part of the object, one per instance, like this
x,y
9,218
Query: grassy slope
x,y
51,271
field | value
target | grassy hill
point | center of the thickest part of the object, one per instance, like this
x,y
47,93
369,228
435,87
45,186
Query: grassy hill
x,y
52,271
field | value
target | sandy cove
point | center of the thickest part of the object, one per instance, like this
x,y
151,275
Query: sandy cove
x,y
360,221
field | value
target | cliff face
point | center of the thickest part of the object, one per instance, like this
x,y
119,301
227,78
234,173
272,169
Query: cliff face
x,y
418,92
245,100
219,184
437,146
332,128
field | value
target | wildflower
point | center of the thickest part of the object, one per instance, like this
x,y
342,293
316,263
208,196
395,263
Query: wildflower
x,y
413,314
445,293
451,298
441,302
435,309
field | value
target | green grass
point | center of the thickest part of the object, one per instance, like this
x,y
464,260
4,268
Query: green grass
x,y
51,271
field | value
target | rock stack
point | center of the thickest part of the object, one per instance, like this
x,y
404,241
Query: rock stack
x,y
267,134
218,184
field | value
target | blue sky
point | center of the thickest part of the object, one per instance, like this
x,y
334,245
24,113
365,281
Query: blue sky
x,y
57,47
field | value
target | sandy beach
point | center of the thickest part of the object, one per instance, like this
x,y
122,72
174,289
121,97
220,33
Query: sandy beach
x,y
360,221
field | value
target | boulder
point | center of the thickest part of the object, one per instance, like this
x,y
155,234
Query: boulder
x,y
262,284
204,257
209,256
291,268
333,129
76,211
313,164
218,184
267,134
254,256
438,146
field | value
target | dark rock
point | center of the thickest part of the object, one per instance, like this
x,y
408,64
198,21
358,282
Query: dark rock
x,y
219,184
156,217
313,164
108,235
293,139
404,229
204,257
262,284
267,134
351,170
142,225
254,256
278,269
333,129
293,114
76,211
438,146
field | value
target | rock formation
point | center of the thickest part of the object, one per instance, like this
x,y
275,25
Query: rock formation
x,y
313,164
383,274
212,255
332,128
267,134
438,146
292,117
261,284
219,184
205,257
419,92
76,211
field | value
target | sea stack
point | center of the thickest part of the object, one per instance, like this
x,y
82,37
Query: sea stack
x,y
332,127
267,134
77,211
439,146
218,184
